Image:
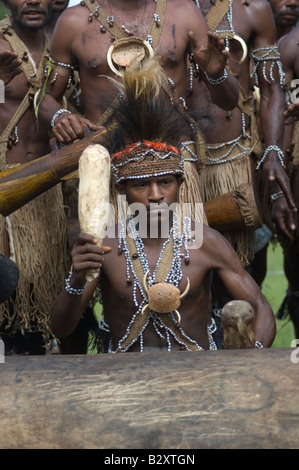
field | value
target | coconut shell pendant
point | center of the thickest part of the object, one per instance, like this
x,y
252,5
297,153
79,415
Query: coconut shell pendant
x,y
164,297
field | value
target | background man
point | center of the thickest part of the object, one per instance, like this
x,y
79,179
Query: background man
x,y
35,235
289,49
79,33
234,148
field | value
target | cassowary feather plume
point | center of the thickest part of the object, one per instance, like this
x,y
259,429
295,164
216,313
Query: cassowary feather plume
x,y
144,110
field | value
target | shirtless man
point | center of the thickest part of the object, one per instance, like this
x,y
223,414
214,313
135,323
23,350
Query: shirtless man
x,y
82,41
133,327
253,23
234,148
289,48
35,235
286,14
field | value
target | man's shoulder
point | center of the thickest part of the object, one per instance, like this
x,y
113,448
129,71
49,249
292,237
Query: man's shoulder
x,y
73,16
288,47
182,8
204,235
291,38
258,7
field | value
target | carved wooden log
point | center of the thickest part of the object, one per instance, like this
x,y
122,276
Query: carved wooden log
x,y
180,400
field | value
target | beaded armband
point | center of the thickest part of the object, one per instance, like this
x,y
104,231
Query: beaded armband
x,y
216,81
58,68
263,56
60,111
258,345
72,290
269,149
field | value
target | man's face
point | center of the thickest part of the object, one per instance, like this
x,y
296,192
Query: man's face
x,y
58,6
154,195
286,12
30,14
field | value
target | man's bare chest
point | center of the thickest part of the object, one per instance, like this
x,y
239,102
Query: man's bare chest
x,y
91,46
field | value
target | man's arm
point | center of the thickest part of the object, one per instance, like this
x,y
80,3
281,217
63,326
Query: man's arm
x,y
272,102
281,213
70,304
288,47
242,287
209,54
66,126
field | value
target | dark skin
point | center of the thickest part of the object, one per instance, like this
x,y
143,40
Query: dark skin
x,y
286,14
292,113
29,17
58,6
214,254
254,23
79,42
289,48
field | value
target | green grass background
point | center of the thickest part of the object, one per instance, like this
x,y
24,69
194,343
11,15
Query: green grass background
x,y
3,10
274,288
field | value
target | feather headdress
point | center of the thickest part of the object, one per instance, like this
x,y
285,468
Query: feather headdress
x,y
149,128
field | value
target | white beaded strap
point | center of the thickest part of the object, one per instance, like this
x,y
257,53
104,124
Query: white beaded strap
x,y
275,196
269,149
60,111
72,290
258,345
216,81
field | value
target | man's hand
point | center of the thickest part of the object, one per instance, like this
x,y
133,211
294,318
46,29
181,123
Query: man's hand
x,y
70,127
276,173
283,218
87,255
292,113
10,66
212,56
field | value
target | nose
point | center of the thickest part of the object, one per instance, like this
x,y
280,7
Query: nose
x,y
155,194
33,2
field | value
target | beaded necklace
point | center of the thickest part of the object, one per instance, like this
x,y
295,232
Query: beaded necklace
x,y
120,31
166,324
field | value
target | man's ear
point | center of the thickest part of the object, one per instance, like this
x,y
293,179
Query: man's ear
x,y
121,188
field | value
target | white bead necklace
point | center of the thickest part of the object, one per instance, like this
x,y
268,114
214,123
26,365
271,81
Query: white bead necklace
x,y
174,276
